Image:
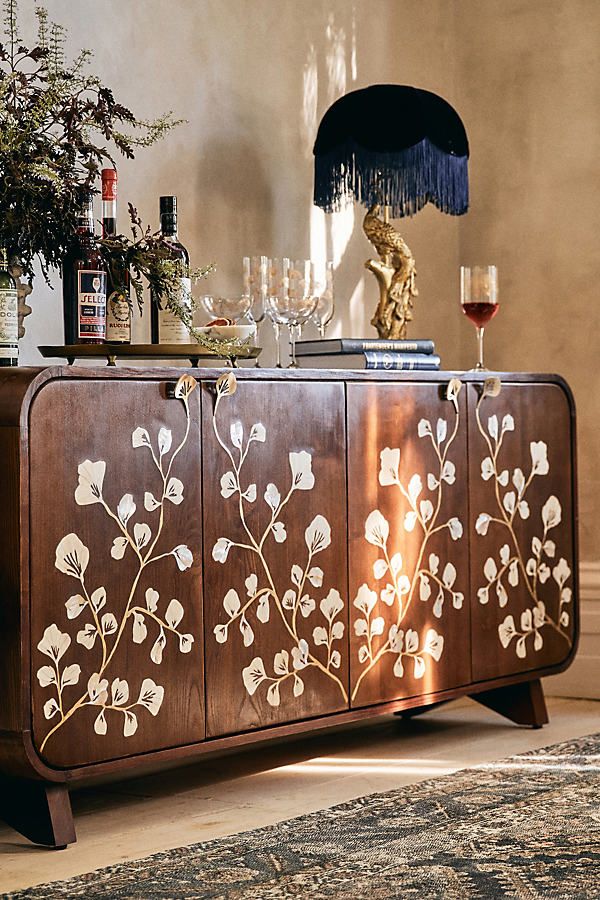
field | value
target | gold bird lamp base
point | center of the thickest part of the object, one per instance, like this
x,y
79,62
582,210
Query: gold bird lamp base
x,y
395,271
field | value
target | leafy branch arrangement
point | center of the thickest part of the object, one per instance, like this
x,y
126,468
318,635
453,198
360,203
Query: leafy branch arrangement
x,y
147,256
510,491
292,602
104,631
427,578
57,124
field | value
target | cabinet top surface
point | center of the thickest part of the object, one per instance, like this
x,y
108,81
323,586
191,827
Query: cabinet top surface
x,y
18,386
44,373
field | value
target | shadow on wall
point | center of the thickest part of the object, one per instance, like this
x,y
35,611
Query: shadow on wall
x,y
276,178
328,75
238,230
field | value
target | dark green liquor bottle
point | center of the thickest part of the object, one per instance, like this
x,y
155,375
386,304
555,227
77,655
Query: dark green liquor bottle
x,y
9,314
166,326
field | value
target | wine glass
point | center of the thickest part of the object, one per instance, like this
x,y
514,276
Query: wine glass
x,y
479,299
255,278
274,277
324,308
227,307
301,301
290,299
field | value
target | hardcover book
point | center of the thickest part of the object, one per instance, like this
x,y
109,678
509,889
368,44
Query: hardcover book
x,y
373,359
361,345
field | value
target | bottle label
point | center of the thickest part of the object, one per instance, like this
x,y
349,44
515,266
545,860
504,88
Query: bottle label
x,y
9,324
91,297
118,319
171,329
109,188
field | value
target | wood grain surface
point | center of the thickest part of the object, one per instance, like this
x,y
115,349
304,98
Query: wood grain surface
x,y
522,529
265,599
76,426
407,468
48,439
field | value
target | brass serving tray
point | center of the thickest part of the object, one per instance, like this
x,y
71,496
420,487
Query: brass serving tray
x,y
112,352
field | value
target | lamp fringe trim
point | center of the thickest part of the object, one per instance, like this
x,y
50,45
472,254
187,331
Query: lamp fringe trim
x,y
405,180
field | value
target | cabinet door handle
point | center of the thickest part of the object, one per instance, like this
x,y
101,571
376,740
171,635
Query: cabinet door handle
x,y
491,387
180,390
453,389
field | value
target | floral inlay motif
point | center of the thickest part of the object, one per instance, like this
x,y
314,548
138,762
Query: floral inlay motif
x,y
290,602
104,630
432,582
536,566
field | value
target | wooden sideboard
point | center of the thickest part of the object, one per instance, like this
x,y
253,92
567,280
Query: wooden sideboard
x,y
193,562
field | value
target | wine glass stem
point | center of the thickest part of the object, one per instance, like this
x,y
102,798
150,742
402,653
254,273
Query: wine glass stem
x,y
321,328
257,364
480,332
293,361
277,330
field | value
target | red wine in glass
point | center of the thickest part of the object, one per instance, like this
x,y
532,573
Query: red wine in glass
x,y
480,313
479,300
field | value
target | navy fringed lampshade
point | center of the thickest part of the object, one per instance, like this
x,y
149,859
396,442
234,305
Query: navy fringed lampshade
x,y
395,145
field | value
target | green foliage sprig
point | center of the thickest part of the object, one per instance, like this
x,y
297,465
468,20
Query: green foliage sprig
x,y
58,126
147,255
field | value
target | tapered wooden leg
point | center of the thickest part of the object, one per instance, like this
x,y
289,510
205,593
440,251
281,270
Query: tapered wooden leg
x,y
521,703
38,810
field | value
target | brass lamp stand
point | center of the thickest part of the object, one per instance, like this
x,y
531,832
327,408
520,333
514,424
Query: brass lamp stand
x,y
395,271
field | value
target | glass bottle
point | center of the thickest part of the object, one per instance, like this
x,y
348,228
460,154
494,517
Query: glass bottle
x,y
84,282
9,314
166,326
118,308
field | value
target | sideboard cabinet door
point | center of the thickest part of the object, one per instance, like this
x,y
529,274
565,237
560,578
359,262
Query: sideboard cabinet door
x,y
522,530
115,533
408,540
274,490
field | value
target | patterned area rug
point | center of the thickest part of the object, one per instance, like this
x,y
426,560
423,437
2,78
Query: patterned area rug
x,y
525,827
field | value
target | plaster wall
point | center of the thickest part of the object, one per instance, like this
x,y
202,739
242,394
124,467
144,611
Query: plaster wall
x,y
530,95
253,78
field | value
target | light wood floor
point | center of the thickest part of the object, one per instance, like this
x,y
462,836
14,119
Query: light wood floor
x,y
135,818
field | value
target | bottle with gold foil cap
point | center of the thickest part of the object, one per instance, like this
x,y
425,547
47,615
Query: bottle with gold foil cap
x,y
118,307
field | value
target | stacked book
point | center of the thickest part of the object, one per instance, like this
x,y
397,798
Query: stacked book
x,y
366,353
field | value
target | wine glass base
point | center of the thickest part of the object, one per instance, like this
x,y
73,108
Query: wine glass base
x,y
479,368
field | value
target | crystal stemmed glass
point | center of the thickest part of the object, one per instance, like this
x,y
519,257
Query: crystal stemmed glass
x,y
255,274
235,307
255,277
324,308
290,300
302,300
274,286
479,299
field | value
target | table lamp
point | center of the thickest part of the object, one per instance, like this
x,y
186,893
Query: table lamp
x,y
392,148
